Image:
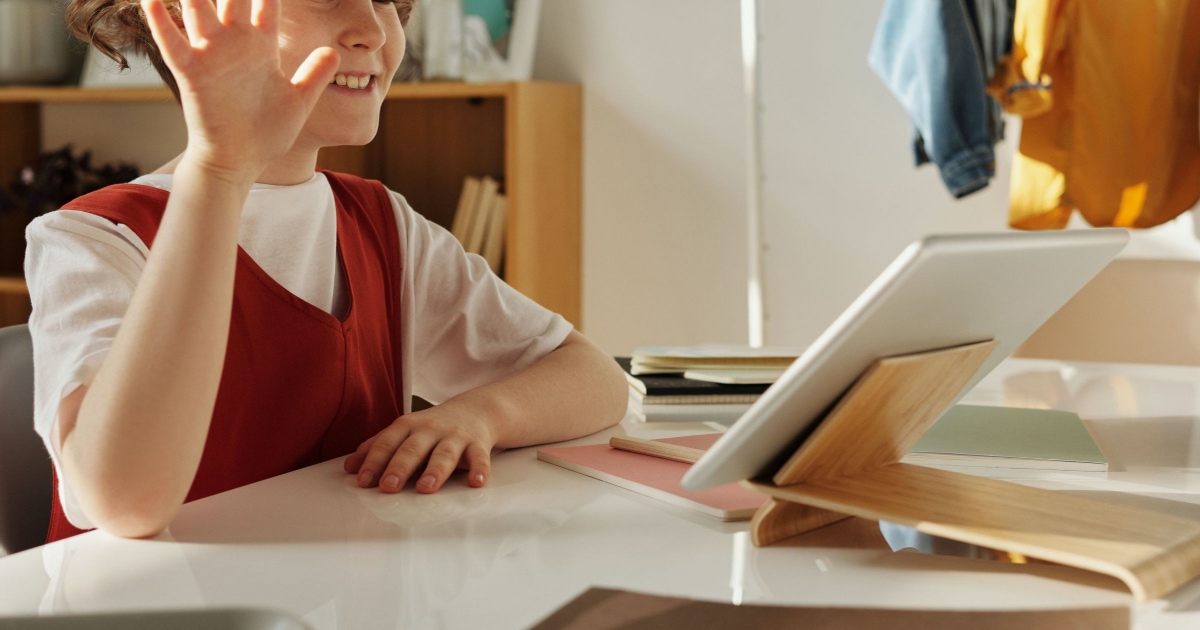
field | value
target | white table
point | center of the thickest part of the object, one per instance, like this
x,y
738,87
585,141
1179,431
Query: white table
x,y
313,544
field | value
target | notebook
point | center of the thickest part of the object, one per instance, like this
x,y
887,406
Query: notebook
x,y
1008,437
666,359
656,477
721,413
736,377
659,388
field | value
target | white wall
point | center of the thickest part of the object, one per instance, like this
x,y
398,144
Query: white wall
x,y
664,165
842,197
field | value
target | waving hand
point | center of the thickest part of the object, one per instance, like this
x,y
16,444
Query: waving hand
x,y
241,110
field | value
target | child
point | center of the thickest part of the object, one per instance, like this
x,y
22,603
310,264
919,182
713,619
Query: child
x,y
262,317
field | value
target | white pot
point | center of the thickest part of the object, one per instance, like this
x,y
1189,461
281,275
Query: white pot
x,y
34,43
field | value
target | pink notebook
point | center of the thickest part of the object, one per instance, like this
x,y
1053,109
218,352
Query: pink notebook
x,y
656,477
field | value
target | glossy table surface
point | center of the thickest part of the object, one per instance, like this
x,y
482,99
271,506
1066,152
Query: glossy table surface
x,y
312,544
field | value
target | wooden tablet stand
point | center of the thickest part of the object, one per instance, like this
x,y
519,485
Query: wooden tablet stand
x,y
850,466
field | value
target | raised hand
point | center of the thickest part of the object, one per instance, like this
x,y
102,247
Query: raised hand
x,y
241,110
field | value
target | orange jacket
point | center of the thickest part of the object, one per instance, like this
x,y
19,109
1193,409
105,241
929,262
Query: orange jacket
x,y
1110,96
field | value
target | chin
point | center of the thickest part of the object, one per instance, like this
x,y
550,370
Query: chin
x,y
327,126
356,141
350,137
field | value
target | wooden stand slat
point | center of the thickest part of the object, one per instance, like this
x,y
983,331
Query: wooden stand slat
x,y
781,518
884,413
850,467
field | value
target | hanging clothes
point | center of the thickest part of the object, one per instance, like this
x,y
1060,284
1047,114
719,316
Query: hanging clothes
x,y
936,57
1110,96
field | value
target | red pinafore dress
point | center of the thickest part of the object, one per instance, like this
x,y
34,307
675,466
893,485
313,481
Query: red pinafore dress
x,y
299,386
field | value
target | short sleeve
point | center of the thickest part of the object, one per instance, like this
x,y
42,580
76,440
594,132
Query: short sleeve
x,y
81,270
467,327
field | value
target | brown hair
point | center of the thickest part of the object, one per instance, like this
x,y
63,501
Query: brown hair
x,y
115,25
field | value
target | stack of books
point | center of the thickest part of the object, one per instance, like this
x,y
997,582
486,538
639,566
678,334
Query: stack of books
x,y
700,383
479,222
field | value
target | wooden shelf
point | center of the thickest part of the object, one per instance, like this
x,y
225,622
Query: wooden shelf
x,y
63,94
14,301
527,134
74,94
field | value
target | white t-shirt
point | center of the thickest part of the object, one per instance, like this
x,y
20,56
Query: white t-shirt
x,y
461,326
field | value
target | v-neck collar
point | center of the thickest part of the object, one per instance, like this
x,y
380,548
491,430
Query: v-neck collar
x,y
341,226
343,323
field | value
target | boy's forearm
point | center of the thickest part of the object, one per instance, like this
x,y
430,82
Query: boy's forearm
x,y
575,390
136,443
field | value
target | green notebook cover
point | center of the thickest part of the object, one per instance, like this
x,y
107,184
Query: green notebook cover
x,y
1009,437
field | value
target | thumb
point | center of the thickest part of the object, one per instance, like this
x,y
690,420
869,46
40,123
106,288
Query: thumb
x,y
315,73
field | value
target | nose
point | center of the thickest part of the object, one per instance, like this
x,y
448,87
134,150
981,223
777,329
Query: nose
x,y
362,29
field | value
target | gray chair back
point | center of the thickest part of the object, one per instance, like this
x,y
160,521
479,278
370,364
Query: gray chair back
x,y
24,464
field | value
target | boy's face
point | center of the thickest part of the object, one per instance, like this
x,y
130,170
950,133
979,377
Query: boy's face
x,y
369,38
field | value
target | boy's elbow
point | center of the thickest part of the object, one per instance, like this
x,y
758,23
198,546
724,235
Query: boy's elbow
x,y
131,517
120,500
123,506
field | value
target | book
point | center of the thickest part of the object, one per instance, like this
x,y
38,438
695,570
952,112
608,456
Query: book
x,y
605,609
721,413
468,199
666,359
493,246
658,388
1008,437
736,377
698,399
656,477
477,229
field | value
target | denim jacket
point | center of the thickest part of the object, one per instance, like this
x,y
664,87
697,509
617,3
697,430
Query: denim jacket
x,y
936,57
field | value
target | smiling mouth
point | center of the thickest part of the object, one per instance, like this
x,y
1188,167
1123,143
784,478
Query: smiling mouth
x,y
354,82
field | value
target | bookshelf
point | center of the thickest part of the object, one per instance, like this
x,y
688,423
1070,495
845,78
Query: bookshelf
x,y
526,134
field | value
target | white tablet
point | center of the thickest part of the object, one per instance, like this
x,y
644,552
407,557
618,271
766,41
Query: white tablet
x,y
942,291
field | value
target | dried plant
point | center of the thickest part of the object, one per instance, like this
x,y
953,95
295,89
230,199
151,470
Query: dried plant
x,y
59,177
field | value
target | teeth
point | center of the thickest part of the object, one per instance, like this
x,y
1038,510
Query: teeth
x,y
351,81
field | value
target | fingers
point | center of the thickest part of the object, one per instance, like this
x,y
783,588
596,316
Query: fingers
x,y
406,461
265,15
233,11
427,448
379,452
442,463
171,41
315,74
199,19
479,465
354,461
